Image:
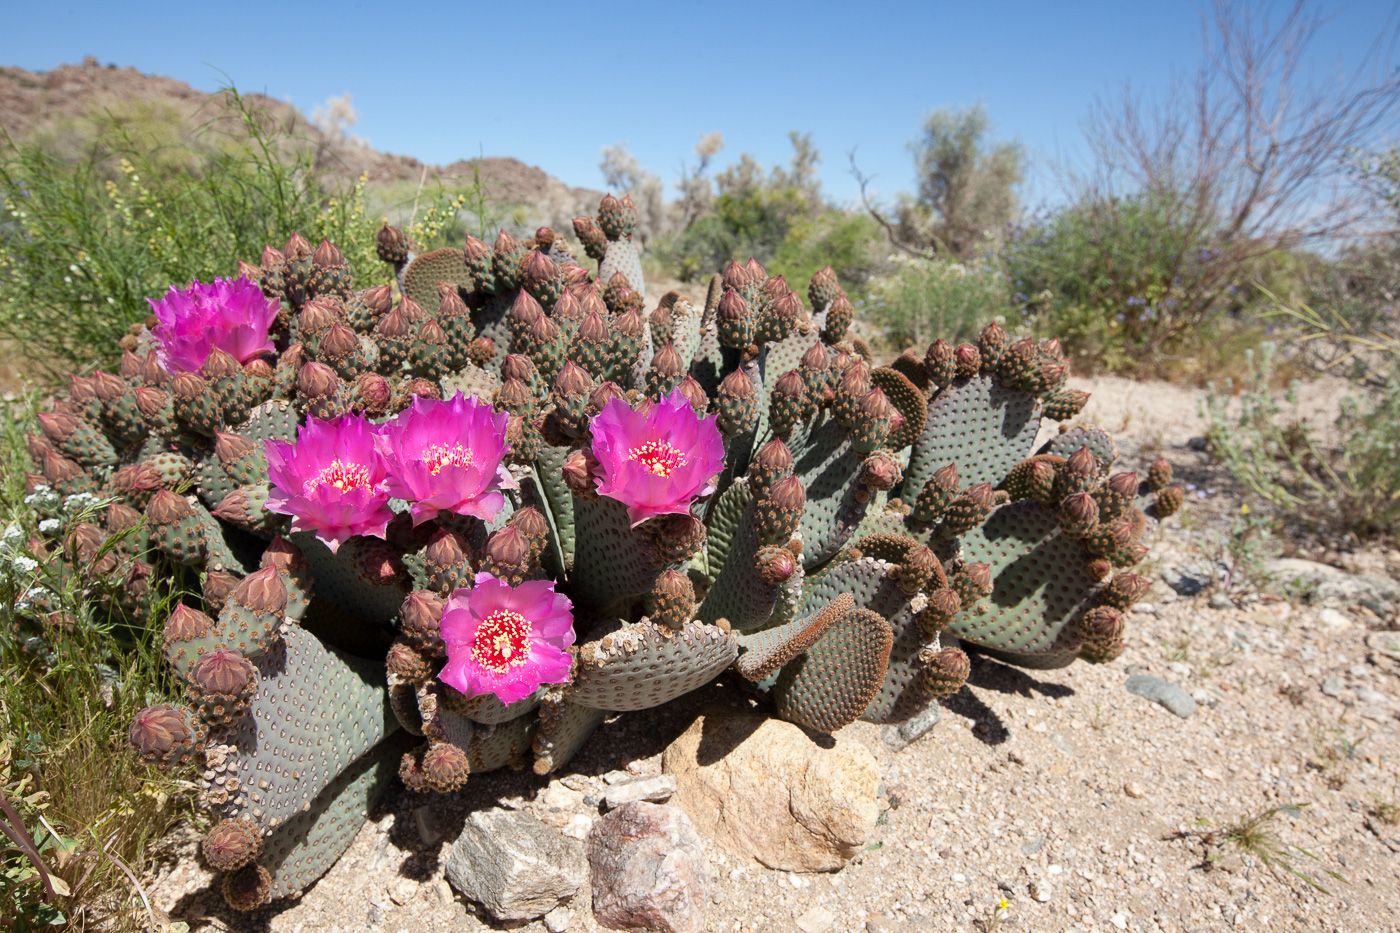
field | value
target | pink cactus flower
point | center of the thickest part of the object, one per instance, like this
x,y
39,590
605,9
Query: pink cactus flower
x,y
230,314
506,640
332,481
656,461
445,456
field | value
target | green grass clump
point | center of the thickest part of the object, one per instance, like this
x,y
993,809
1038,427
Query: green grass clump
x,y
71,679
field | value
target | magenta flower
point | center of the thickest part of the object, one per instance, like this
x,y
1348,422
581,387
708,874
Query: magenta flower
x,y
231,314
507,640
445,456
332,481
656,462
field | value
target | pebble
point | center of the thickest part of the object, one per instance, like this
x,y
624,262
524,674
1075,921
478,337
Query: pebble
x,y
1134,789
816,920
655,789
1332,686
1333,619
1165,694
578,826
558,919
1221,601
900,736
1040,891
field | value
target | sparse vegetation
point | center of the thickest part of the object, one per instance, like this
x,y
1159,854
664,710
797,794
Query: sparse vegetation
x,y
1257,837
71,678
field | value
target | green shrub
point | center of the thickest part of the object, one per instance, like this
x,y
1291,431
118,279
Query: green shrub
x,y
850,243
1351,485
85,241
925,298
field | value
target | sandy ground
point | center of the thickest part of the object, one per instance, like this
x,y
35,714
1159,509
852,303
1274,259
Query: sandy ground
x,y
1057,793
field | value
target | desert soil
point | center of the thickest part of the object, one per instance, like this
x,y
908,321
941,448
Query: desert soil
x,y
1041,800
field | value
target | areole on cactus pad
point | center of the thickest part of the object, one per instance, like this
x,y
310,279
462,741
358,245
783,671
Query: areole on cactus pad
x,y
453,524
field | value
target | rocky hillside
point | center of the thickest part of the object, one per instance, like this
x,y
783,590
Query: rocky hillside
x,y
62,104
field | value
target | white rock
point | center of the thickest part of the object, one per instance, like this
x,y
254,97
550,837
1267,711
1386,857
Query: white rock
x,y
1333,619
816,920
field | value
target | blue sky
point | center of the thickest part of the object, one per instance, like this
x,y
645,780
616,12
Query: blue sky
x,y
554,84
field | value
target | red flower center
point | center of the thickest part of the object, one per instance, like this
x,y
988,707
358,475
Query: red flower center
x,y
502,641
343,476
437,456
659,457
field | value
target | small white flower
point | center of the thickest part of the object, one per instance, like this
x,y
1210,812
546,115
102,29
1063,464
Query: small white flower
x,y
49,525
12,533
79,501
24,564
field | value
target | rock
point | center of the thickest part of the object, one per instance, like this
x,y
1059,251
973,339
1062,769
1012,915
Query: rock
x,y
1197,442
1167,695
1134,789
1332,619
1220,601
1324,584
649,869
655,789
899,736
558,920
762,788
1040,891
1189,579
579,826
1332,686
816,920
514,866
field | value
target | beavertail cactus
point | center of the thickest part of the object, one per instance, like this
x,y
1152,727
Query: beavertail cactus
x,y
451,525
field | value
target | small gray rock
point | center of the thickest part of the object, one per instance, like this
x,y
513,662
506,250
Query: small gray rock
x,y
514,866
1221,601
649,870
1168,695
657,788
1189,579
1332,686
898,736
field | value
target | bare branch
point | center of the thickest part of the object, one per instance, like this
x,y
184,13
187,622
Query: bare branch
x,y
890,231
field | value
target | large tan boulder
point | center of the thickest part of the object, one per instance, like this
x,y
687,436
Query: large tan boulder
x,y
763,788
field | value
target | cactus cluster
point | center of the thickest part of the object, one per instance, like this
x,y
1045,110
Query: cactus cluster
x,y
853,526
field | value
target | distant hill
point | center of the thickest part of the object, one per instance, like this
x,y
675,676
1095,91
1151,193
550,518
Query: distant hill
x,y
58,104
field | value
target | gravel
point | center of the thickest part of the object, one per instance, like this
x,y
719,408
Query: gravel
x,y
1031,778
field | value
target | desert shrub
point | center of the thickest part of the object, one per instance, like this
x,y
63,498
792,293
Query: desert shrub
x,y
90,231
850,243
1105,275
923,298
751,212
1348,484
